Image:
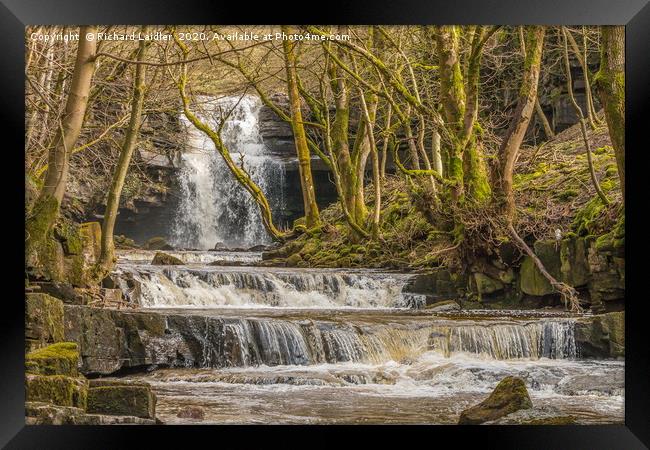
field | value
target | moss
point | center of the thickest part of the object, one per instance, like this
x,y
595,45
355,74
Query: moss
x,y
588,217
509,395
294,260
56,359
43,320
59,390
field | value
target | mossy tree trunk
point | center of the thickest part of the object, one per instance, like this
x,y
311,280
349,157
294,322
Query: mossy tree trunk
x,y
610,85
459,91
312,217
521,117
107,256
46,208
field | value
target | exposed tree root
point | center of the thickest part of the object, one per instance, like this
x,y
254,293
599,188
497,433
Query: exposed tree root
x,y
568,293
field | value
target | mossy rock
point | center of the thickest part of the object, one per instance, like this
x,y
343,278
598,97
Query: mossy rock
x,y
59,390
157,243
294,260
485,284
43,320
509,396
56,359
163,259
121,399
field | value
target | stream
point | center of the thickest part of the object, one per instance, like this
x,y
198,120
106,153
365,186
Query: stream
x,y
314,346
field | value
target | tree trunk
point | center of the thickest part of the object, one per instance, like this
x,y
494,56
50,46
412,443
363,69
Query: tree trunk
x,y
312,217
521,117
610,84
112,205
46,208
548,130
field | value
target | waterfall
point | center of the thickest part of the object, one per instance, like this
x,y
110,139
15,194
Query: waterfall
x,y
547,338
215,342
214,206
209,287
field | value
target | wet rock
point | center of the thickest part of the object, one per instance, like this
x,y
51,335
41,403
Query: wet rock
x,y
509,396
163,259
191,412
121,398
43,320
157,243
601,336
257,248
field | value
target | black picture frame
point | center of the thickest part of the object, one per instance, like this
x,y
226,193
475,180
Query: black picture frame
x,y
16,14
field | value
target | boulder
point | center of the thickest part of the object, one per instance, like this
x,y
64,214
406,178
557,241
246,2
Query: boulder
x,y
157,243
56,359
163,259
509,396
43,320
121,398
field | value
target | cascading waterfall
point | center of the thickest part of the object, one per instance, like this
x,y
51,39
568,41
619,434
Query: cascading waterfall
x,y
178,286
214,207
202,341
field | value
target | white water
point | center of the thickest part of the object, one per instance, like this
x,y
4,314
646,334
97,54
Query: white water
x,y
214,207
204,286
144,257
337,346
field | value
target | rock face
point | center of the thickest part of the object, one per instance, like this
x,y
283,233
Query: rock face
x,y
509,396
276,133
163,259
68,254
43,321
121,399
602,337
56,394
597,265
